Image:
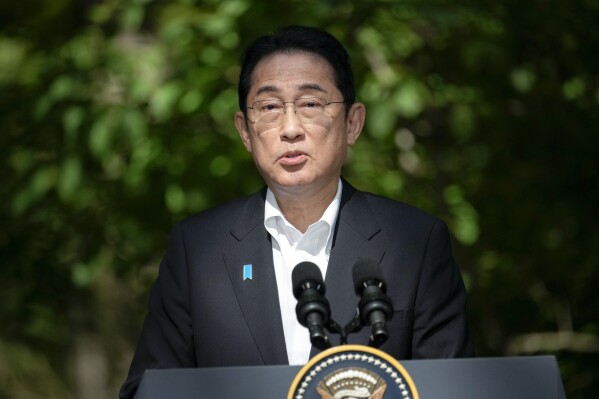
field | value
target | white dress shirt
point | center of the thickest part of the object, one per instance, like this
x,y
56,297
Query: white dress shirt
x,y
290,247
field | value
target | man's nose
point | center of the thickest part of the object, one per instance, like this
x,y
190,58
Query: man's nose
x,y
289,104
291,122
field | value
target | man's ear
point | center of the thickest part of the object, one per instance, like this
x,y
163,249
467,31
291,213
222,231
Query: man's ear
x,y
355,122
242,129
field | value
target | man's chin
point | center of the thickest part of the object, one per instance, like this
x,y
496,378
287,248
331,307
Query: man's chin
x,y
294,184
299,185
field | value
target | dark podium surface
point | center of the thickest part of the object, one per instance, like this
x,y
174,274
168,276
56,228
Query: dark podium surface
x,y
477,378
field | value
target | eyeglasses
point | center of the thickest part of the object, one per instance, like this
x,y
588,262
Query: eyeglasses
x,y
309,109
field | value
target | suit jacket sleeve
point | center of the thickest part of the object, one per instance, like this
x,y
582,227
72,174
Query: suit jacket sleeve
x,y
166,340
440,328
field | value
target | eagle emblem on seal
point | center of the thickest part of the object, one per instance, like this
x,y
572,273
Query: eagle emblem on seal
x,y
352,383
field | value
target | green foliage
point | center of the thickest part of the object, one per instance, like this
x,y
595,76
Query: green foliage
x,y
116,121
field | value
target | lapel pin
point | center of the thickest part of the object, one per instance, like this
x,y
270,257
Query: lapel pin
x,y
247,272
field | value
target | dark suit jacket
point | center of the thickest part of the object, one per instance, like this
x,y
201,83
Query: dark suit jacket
x,y
203,314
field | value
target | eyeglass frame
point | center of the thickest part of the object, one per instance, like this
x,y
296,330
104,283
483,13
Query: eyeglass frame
x,y
290,102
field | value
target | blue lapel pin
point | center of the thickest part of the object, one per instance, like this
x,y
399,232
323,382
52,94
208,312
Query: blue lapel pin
x,y
247,272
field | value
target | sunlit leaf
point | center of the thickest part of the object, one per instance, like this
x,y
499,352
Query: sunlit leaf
x,y
220,166
164,99
175,198
409,99
69,178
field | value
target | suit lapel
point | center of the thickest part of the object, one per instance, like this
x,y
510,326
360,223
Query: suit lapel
x,y
261,312
355,229
354,232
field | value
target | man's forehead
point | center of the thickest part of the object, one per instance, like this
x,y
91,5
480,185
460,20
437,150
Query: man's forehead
x,y
300,71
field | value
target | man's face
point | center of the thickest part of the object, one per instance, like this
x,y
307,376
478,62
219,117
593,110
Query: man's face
x,y
297,155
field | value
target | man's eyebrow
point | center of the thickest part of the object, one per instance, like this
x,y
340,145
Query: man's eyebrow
x,y
312,86
267,89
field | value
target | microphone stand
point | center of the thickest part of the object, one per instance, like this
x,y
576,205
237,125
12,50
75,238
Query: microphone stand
x,y
354,326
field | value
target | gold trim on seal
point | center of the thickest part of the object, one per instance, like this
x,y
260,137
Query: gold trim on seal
x,y
351,348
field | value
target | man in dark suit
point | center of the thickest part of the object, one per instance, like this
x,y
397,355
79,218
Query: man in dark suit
x,y
223,295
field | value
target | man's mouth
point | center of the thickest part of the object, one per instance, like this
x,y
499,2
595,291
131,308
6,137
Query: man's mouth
x,y
293,158
294,154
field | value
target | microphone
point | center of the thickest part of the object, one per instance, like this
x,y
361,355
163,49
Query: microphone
x,y
313,310
375,307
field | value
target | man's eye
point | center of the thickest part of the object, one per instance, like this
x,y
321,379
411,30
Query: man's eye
x,y
310,104
269,107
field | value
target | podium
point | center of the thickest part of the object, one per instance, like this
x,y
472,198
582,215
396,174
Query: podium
x,y
489,378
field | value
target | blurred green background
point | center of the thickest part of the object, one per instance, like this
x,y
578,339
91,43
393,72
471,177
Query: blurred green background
x,y
116,121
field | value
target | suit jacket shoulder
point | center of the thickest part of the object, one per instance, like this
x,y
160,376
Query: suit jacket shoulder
x,y
240,215
424,283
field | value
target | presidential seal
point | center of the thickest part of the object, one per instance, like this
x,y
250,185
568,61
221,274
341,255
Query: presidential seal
x,y
353,372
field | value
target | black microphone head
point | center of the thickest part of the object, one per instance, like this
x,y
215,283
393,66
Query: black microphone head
x,y
306,275
366,272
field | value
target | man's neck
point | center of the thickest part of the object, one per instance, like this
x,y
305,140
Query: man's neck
x,y
302,211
